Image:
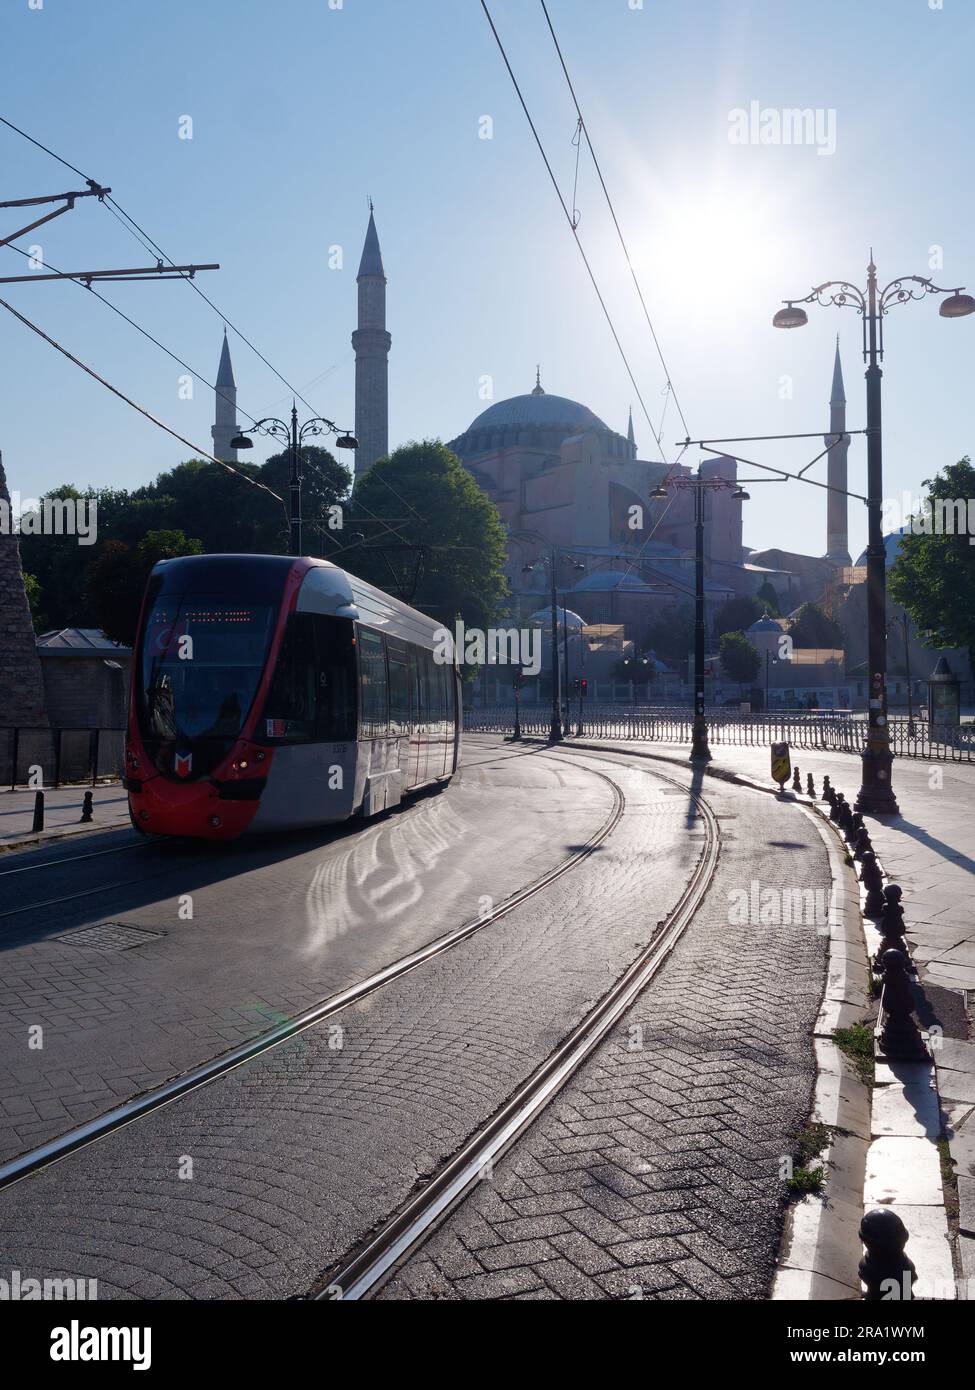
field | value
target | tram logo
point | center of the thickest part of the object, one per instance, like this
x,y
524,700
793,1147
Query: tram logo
x,y
182,764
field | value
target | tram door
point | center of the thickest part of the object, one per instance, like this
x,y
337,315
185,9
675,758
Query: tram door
x,y
421,735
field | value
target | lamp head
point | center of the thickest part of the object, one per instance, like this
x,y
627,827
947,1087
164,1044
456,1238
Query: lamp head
x,y
241,441
957,306
790,317
346,441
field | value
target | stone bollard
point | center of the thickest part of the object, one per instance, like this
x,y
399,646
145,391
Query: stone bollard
x,y
87,811
872,880
885,1267
810,786
861,843
796,782
858,822
835,806
845,821
827,789
892,926
38,812
900,1039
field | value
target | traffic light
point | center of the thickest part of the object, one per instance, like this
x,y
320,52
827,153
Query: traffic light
x,y
577,685
583,688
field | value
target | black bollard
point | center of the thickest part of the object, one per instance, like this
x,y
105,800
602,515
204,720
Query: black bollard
x,y
810,786
827,789
38,812
861,842
872,880
796,783
87,812
900,1039
885,1268
835,806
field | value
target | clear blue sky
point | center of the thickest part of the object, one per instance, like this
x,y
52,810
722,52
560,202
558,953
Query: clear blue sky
x,y
300,111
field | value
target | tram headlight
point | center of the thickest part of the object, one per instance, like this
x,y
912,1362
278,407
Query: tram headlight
x,y
216,822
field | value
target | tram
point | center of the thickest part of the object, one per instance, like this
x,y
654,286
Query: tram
x,y
272,693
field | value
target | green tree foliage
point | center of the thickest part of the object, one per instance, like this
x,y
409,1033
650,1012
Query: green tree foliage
x,y
933,576
739,659
768,596
34,600
432,537
117,579
671,636
814,628
737,614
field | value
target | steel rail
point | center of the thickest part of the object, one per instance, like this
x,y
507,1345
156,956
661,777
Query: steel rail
x,y
360,1273
103,1125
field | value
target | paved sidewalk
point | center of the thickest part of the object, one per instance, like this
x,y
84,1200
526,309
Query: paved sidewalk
x,y
62,814
929,849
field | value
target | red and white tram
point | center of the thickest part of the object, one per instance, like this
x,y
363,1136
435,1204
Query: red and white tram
x,y
270,693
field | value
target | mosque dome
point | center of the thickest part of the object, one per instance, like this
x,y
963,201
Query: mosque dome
x,y
542,410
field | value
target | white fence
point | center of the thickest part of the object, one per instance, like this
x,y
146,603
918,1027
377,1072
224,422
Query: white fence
x,y
842,733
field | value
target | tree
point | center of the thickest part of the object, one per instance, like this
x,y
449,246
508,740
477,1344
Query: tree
x,y
671,636
117,579
737,614
739,659
814,628
33,590
768,595
325,484
432,537
933,576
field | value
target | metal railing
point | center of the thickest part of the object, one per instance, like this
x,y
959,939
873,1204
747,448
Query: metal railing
x,y
54,757
828,732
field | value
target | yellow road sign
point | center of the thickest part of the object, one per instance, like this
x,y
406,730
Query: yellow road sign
x,y
781,767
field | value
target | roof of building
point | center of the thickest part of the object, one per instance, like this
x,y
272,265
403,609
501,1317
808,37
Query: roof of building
x,y
765,624
538,408
83,641
225,372
371,264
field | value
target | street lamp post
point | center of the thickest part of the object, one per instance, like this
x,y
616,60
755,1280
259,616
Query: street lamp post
x,y
293,438
876,791
555,727
700,752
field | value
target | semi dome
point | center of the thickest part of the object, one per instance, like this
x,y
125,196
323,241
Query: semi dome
x,y
537,409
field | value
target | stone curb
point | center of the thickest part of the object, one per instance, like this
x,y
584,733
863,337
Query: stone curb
x,y
46,837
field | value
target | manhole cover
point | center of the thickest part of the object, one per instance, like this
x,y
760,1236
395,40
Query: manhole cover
x,y
110,936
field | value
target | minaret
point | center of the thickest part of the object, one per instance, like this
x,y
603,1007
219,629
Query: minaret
x,y
631,438
837,540
225,414
371,343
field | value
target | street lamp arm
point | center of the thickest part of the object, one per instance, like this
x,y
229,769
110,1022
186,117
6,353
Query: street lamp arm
x,y
897,292
315,426
271,426
841,293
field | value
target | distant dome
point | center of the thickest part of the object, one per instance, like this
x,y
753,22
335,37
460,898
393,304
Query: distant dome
x,y
892,544
765,624
539,409
563,615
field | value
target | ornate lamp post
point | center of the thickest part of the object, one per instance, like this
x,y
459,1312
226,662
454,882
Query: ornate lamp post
x,y
700,752
876,792
293,438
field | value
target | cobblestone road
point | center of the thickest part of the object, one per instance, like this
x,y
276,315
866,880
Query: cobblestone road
x,y
655,1173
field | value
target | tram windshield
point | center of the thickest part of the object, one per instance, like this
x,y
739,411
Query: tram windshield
x,y
200,665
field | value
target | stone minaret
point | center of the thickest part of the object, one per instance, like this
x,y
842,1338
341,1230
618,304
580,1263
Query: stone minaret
x,y
371,343
225,415
630,437
837,540
21,682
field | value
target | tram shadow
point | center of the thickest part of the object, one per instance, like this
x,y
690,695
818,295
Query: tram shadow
x,y
63,895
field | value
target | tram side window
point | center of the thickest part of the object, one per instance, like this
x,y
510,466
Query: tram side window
x,y
400,705
312,695
372,675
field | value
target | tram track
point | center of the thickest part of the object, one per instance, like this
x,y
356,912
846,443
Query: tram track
x,y
101,1127
380,1255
